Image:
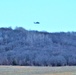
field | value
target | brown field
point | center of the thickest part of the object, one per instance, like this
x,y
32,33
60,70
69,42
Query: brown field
x,y
27,70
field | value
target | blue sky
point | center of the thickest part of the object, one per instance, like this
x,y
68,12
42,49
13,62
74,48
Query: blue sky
x,y
53,15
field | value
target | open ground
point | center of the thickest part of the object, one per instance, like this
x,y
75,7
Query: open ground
x,y
27,70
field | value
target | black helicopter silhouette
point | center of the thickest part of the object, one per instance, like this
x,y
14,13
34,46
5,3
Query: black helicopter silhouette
x,y
36,22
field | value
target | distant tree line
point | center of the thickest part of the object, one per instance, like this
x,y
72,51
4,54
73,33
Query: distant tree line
x,y
33,48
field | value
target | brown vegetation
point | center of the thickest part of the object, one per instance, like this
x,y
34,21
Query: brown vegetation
x,y
22,70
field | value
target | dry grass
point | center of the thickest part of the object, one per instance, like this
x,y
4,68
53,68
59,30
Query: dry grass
x,y
24,70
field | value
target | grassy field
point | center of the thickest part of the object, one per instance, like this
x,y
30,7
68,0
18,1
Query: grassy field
x,y
27,70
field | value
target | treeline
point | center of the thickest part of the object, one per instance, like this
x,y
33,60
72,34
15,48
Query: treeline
x,y
33,48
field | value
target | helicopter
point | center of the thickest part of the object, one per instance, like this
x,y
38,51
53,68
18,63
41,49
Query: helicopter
x,y
37,22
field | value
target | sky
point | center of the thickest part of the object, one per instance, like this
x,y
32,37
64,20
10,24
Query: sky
x,y
53,15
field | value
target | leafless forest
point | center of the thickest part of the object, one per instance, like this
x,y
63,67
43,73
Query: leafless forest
x,y
33,48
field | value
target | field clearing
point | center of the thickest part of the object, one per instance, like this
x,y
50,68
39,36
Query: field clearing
x,y
27,70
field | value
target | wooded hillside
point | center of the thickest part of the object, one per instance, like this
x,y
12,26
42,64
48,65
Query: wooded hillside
x,y
22,47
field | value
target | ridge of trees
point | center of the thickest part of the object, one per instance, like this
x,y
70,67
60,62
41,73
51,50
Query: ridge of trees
x,y
33,48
